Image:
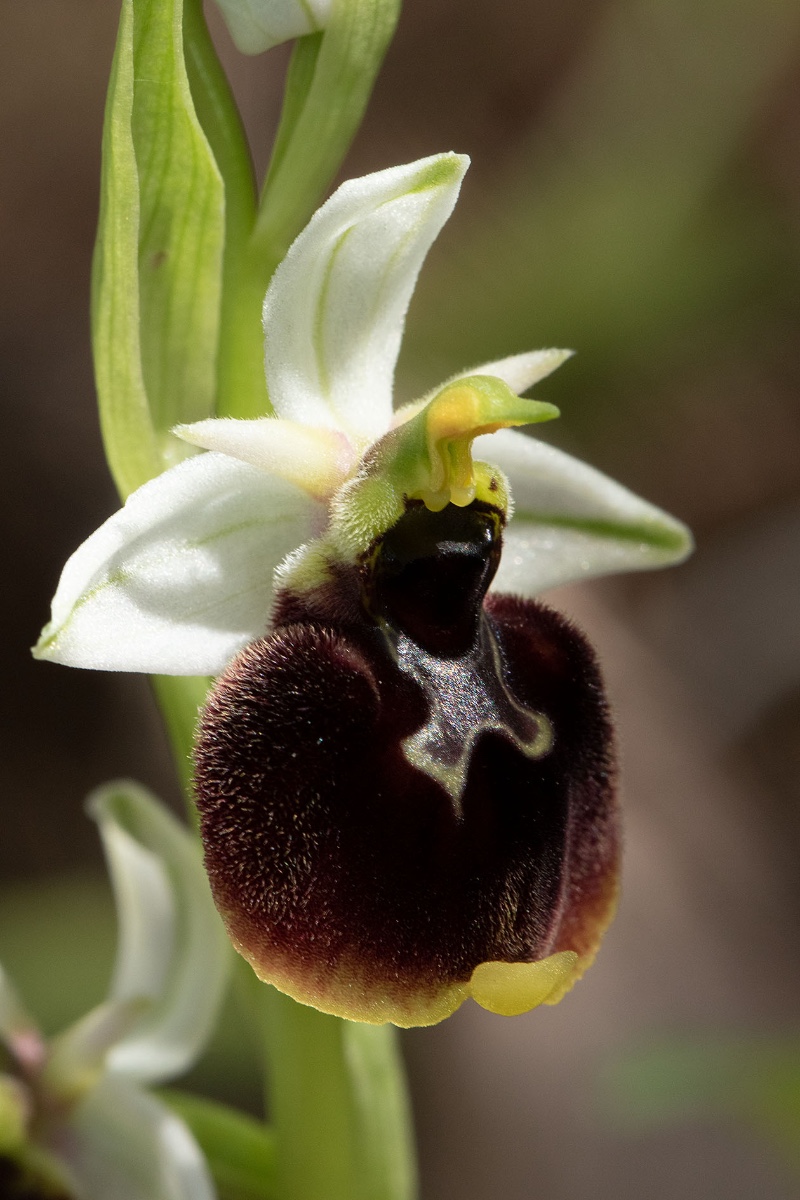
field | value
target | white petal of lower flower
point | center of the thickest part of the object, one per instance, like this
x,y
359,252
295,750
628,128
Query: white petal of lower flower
x,y
257,25
522,371
335,309
121,1143
172,947
77,1057
180,579
317,460
572,522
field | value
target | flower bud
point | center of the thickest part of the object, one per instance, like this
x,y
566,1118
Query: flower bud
x,y
257,25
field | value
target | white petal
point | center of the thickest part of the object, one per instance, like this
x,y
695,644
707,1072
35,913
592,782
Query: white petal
x,y
256,25
522,371
572,522
121,1144
172,947
317,460
334,312
180,579
77,1057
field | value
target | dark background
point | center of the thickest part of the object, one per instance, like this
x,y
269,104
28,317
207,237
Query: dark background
x,y
635,194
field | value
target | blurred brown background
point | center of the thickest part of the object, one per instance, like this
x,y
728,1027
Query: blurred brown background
x,y
635,194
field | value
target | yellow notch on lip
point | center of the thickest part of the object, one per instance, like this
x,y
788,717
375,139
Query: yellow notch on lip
x,y
509,989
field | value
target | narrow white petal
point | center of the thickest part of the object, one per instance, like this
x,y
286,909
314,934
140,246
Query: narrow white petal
x,y
317,460
571,521
334,312
257,25
121,1144
172,947
180,579
522,371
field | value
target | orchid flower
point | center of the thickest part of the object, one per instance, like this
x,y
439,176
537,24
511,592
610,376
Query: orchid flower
x,y
76,1122
406,786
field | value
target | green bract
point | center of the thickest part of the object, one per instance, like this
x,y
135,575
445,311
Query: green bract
x,y
158,260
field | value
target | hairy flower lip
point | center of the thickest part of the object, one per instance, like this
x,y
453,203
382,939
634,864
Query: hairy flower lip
x,y
346,905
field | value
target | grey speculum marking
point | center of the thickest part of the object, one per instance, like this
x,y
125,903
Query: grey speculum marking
x,y
467,697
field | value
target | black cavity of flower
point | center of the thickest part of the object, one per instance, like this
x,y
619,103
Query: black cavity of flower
x,y
427,576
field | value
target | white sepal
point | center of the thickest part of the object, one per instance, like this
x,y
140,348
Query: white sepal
x,y
572,522
257,25
172,947
180,579
335,309
125,1144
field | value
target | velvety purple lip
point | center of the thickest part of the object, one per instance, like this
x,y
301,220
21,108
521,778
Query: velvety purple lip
x,y
405,779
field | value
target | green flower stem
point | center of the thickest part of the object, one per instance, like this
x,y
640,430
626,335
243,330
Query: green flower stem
x,y
241,388
338,1104
180,698
324,109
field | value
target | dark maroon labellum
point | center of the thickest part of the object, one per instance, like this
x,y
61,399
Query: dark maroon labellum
x,y
405,780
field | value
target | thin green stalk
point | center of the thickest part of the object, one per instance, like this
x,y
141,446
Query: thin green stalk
x,y
328,84
241,389
338,1105
319,131
180,698
299,79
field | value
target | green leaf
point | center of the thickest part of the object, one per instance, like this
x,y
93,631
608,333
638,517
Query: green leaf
x,y
128,432
158,264
240,1150
181,233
